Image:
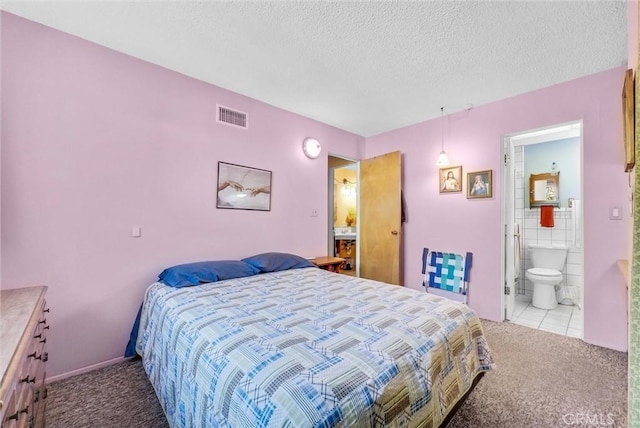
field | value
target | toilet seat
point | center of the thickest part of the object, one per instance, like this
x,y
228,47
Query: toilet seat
x,y
544,272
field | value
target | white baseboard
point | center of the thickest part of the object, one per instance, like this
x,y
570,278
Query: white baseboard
x,y
85,369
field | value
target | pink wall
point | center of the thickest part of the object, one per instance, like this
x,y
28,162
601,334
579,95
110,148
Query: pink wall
x,y
473,140
95,142
632,34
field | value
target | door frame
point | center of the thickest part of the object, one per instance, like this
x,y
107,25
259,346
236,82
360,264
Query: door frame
x,y
507,302
507,224
331,242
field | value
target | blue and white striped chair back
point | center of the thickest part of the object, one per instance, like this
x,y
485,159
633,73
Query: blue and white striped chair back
x,y
448,273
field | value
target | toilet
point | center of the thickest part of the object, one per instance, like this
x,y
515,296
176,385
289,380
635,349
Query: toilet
x,y
546,272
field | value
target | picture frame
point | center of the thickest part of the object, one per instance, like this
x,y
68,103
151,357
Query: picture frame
x,y
450,179
480,184
628,120
243,187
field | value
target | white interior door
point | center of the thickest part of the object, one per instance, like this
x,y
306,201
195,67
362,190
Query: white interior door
x,y
509,291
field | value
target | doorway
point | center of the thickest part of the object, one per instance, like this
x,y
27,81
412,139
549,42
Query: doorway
x,y
378,215
555,152
342,215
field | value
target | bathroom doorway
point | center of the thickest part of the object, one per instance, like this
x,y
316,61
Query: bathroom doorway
x,y
343,208
550,218
377,233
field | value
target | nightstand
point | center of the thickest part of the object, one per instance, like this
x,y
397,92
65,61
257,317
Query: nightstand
x,y
332,264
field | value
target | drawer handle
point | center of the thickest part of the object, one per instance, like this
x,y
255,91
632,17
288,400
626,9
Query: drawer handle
x,y
46,310
17,414
44,321
46,327
36,394
37,336
27,380
44,356
44,340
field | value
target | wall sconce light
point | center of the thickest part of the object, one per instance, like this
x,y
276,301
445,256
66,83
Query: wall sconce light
x,y
311,148
443,159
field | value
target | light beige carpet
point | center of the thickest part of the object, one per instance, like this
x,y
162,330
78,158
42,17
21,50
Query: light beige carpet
x,y
546,380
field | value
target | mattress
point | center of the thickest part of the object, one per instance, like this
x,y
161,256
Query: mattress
x,y
308,348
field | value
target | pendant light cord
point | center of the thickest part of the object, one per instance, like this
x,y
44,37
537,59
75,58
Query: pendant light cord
x,y
442,125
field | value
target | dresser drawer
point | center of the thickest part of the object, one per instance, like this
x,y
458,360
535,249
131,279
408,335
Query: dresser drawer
x,y
11,414
18,410
23,359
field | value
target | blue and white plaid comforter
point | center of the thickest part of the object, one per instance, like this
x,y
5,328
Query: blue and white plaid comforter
x,y
307,348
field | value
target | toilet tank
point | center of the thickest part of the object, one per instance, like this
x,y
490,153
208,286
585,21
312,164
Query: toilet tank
x,y
548,256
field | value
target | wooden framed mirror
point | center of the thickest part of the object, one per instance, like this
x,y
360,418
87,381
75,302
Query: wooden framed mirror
x,y
544,189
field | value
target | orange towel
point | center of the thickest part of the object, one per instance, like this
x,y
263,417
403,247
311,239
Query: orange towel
x,y
546,216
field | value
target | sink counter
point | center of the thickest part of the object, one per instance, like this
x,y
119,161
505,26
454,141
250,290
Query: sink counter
x,y
345,236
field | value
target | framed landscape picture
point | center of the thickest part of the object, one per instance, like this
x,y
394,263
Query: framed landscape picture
x,y
480,184
244,188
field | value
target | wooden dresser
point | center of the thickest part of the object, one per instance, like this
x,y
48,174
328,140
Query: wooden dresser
x,y
23,357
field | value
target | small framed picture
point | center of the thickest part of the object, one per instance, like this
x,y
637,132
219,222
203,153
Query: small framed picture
x,y
451,179
480,184
244,188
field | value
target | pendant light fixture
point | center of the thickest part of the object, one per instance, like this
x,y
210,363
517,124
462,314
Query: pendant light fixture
x,y
348,188
443,159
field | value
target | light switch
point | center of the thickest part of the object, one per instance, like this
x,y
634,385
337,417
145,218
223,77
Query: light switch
x,y
615,213
136,231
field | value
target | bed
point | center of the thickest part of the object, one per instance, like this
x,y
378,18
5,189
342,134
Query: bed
x,y
306,347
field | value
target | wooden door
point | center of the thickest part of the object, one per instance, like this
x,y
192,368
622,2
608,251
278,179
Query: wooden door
x,y
380,216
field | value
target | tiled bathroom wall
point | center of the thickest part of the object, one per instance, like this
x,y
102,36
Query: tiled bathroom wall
x,y
532,233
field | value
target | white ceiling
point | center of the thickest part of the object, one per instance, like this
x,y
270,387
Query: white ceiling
x,y
365,67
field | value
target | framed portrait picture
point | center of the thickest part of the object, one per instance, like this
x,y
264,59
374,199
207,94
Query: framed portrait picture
x,y
450,179
480,184
244,188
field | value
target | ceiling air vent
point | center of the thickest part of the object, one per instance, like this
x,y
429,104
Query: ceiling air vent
x,y
232,117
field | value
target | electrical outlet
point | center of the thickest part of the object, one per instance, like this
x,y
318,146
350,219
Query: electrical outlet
x,y
615,213
314,213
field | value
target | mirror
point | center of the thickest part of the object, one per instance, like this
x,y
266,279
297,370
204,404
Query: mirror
x,y
544,189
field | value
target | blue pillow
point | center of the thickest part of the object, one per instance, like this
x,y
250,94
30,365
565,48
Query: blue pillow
x,y
274,262
190,274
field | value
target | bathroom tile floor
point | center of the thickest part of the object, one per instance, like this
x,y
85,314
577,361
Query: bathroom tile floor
x,y
564,320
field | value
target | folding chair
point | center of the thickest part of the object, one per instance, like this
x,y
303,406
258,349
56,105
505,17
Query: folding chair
x,y
446,274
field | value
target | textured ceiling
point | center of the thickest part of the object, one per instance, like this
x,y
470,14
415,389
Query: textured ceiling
x,y
366,67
